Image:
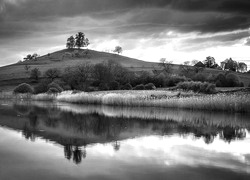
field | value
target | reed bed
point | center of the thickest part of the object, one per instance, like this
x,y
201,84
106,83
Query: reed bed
x,y
169,99
235,102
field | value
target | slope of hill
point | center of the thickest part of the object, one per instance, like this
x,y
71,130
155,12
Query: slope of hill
x,y
62,59
14,74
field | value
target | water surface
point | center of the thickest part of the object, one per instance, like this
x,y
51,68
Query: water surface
x,y
62,141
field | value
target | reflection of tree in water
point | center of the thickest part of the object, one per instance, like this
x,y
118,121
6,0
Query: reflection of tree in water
x,y
116,145
33,120
28,134
230,133
75,153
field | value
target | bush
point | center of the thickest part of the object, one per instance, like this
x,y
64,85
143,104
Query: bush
x,y
127,87
150,86
113,85
103,87
23,88
53,91
42,87
139,87
220,80
174,80
202,87
55,86
232,80
200,77
158,80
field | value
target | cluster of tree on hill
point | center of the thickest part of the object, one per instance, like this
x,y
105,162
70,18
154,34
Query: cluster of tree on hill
x,y
78,41
34,56
228,64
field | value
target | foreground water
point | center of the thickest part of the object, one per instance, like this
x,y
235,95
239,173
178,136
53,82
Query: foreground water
x,y
61,141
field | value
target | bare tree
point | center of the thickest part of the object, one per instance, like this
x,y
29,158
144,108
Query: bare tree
x,y
167,65
52,73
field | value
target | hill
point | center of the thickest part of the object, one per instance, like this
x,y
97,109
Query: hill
x,y
14,74
61,60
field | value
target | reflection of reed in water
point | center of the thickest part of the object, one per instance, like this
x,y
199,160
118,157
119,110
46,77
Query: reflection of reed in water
x,y
205,117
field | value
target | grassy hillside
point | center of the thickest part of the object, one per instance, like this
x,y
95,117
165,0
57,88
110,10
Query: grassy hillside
x,y
56,60
14,74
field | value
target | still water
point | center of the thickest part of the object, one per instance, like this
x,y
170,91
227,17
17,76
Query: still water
x,y
41,141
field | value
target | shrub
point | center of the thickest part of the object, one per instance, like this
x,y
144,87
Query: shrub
x,y
150,86
211,78
55,86
158,80
200,77
103,87
174,80
218,83
232,80
202,87
220,80
53,90
42,87
23,88
139,87
113,85
127,87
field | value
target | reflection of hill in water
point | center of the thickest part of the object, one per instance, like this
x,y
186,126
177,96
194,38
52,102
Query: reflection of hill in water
x,y
75,126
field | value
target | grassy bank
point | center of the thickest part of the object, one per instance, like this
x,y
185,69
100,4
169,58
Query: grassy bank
x,y
234,102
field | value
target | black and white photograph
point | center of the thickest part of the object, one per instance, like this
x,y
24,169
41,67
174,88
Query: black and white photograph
x,y
124,89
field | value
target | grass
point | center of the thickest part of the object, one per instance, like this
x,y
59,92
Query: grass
x,y
234,102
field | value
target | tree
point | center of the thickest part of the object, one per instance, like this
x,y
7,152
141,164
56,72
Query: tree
x,y
186,63
31,57
35,74
34,56
231,65
70,42
52,73
242,67
81,41
78,77
167,65
28,57
118,49
209,62
110,71
27,68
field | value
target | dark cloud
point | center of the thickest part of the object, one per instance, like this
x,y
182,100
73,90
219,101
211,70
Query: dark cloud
x,y
186,16
119,19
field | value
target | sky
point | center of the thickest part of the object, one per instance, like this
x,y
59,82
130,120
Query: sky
x,y
178,30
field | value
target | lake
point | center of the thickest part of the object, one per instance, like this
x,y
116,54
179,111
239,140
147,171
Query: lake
x,y
64,141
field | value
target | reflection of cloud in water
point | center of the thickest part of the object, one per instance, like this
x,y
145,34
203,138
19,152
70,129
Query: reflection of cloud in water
x,y
176,151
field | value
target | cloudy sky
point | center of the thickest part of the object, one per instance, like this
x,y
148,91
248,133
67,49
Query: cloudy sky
x,y
177,30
